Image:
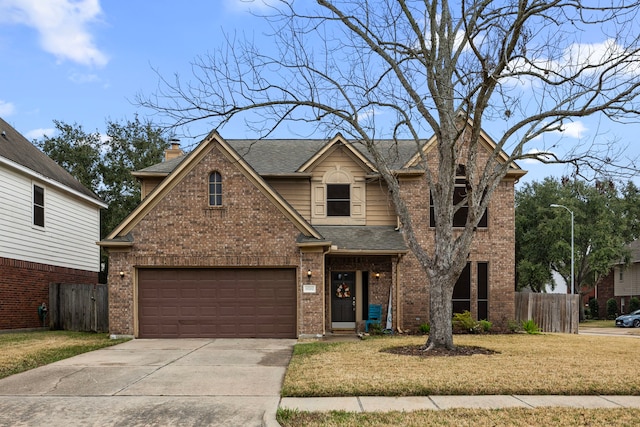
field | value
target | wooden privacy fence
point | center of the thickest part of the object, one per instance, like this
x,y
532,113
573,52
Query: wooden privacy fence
x,y
78,307
551,312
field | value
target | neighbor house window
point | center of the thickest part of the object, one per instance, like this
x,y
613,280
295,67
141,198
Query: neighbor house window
x,y
338,200
38,206
215,189
459,193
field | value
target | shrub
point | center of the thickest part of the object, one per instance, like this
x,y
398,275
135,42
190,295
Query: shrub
x,y
514,326
634,304
425,328
530,327
612,308
375,329
485,325
463,321
594,308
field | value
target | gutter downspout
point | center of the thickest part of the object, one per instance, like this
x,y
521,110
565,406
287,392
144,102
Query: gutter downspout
x,y
324,293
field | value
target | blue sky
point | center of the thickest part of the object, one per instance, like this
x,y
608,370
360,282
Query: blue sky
x,y
84,61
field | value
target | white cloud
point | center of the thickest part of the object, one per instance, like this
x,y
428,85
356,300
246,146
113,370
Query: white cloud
x,y
81,78
250,5
536,153
586,59
6,108
367,114
63,26
595,54
39,133
575,129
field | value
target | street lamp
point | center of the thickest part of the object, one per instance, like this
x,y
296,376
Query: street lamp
x,y
571,212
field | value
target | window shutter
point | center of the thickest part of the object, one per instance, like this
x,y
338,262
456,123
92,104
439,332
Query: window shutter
x,y
358,206
318,200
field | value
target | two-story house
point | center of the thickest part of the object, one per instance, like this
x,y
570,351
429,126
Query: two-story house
x,y
622,283
290,238
49,223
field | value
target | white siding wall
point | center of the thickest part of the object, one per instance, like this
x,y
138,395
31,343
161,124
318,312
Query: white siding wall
x,y
72,226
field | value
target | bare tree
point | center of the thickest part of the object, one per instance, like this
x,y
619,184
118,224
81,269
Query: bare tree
x,y
402,68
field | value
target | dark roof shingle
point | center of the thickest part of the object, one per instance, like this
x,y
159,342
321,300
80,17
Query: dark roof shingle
x,y
377,238
16,148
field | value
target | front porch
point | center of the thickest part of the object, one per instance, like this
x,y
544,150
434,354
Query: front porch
x,y
354,282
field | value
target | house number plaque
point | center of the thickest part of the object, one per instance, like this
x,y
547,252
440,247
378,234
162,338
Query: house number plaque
x,y
309,289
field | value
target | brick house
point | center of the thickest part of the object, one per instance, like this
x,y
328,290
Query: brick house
x,y
290,238
49,224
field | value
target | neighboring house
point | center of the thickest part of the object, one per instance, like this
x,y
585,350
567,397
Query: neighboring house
x,y
622,283
291,238
49,224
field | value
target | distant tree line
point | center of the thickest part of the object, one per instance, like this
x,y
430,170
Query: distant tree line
x,y
606,219
104,162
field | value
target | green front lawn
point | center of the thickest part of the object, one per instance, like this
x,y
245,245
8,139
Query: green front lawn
x,y
524,364
27,350
565,364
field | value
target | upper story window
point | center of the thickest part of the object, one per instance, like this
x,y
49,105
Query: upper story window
x,y
38,206
459,194
215,189
338,200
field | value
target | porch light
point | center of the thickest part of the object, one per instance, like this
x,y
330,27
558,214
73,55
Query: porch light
x,y
121,273
308,273
377,275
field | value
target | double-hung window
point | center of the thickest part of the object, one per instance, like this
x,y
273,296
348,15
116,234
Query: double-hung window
x,y
338,200
38,206
459,194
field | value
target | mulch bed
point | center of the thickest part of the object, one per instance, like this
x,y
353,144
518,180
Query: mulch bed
x,y
418,350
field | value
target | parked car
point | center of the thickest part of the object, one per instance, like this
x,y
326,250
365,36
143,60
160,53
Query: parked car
x,y
629,320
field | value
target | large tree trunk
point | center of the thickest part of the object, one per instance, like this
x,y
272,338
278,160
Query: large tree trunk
x,y
440,313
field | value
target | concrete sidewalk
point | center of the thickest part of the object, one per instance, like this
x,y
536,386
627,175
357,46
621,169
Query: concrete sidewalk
x,y
416,403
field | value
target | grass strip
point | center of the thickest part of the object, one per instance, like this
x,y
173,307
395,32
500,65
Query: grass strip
x,y
465,417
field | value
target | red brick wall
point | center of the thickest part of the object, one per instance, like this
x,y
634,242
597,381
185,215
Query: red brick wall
x,y
494,245
183,231
25,285
605,292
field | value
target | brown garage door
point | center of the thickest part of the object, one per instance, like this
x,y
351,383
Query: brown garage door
x,y
217,303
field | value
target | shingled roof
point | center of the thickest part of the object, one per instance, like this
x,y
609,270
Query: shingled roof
x,y
362,238
277,156
17,149
286,156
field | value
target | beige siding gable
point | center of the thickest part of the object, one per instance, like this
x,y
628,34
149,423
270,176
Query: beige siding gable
x,y
370,202
380,209
339,166
297,192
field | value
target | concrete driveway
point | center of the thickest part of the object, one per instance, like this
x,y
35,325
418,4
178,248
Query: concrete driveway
x,y
187,382
623,332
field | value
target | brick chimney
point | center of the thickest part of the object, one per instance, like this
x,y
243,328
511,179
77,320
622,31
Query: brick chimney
x,y
174,151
